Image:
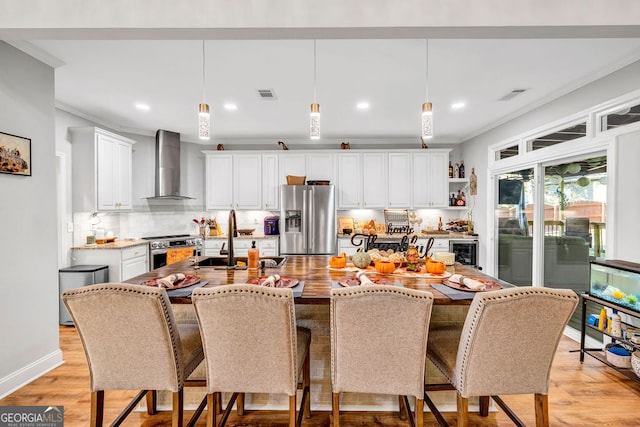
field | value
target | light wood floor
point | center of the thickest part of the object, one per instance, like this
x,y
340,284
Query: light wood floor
x,y
581,395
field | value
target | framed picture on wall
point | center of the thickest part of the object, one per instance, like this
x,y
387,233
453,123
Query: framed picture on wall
x,y
15,154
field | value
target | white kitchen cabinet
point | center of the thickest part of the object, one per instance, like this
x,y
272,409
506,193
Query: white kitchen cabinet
x,y
247,181
233,181
374,180
270,183
315,166
400,182
349,185
101,169
123,263
212,247
431,179
439,245
345,246
268,247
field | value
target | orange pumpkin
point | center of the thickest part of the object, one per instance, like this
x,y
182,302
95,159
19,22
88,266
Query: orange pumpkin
x,y
338,261
386,267
435,267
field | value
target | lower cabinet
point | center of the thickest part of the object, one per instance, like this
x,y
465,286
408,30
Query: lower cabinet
x,y
345,246
267,247
123,263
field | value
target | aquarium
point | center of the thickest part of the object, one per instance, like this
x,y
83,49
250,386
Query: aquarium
x,y
617,282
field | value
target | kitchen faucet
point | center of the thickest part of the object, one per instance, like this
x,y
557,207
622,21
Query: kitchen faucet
x,y
231,233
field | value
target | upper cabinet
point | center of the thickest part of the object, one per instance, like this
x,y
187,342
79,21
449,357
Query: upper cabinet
x,y
374,181
315,166
234,181
349,188
431,179
400,182
270,182
101,168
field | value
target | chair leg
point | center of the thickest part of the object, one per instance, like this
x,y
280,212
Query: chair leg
x,y
292,411
306,384
178,408
462,403
542,410
97,408
240,404
419,412
484,405
212,409
402,408
335,405
152,398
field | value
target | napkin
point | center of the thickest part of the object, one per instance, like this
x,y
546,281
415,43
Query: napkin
x,y
364,280
469,283
169,281
270,281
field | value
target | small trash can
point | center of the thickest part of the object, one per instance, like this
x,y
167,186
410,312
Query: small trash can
x,y
75,277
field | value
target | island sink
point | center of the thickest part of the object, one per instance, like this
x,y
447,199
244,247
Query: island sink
x,y
270,262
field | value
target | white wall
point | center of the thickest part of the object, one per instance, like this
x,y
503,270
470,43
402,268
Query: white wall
x,y
28,265
474,151
627,209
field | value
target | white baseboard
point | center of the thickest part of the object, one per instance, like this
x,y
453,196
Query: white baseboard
x,y
25,375
589,342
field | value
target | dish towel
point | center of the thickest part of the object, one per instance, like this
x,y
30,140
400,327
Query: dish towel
x,y
469,283
169,281
178,254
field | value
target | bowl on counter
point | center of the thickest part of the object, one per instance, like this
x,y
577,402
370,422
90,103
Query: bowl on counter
x,y
347,231
245,231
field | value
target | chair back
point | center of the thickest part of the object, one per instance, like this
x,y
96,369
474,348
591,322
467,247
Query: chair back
x,y
249,338
129,336
379,339
509,339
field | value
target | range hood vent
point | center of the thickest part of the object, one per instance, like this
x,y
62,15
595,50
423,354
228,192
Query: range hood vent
x,y
168,166
512,94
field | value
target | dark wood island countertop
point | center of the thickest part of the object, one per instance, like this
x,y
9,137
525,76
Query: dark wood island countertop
x,y
312,270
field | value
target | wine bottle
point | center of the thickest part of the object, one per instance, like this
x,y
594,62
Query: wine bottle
x,y
461,171
450,170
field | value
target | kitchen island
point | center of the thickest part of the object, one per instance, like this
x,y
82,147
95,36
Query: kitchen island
x,y
312,311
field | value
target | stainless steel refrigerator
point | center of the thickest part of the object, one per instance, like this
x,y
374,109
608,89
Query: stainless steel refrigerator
x,y
308,216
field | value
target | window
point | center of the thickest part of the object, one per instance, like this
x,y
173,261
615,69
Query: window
x,y
505,153
620,117
559,136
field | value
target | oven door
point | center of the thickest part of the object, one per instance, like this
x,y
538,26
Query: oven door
x,y
158,257
466,251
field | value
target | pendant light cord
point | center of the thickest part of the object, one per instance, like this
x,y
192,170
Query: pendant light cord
x,y
204,84
427,67
314,71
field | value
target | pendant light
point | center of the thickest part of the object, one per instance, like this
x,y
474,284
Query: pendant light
x,y
427,108
204,122
314,116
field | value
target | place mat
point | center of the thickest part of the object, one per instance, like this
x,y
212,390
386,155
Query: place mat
x,y
354,281
184,292
454,294
489,286
189,279
336,285
298,289
283,282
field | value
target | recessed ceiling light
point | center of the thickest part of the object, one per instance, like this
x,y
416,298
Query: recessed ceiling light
x,y
362,106
143,107
457,105
231,107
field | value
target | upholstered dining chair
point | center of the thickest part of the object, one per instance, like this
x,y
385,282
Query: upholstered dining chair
x,y
378,344
132,342
252,345
506,346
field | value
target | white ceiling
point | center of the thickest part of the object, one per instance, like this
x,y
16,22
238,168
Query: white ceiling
x,y
103,80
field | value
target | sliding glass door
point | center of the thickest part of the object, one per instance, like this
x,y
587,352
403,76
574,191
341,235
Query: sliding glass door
x,y
514,216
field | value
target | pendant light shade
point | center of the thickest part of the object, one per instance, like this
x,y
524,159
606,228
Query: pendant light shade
x,y
204,123
204,120
314,121
427,121
314,116
427,107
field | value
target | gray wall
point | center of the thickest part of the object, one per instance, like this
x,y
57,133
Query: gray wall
x,y
29,279
611,86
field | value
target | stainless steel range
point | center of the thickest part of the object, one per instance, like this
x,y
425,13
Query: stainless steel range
x,y
159,245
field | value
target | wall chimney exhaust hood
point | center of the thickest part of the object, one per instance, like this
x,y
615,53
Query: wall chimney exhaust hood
x,y
168,166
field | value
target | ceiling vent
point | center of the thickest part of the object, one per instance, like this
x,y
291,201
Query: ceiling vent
x,y
268,94
509,96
